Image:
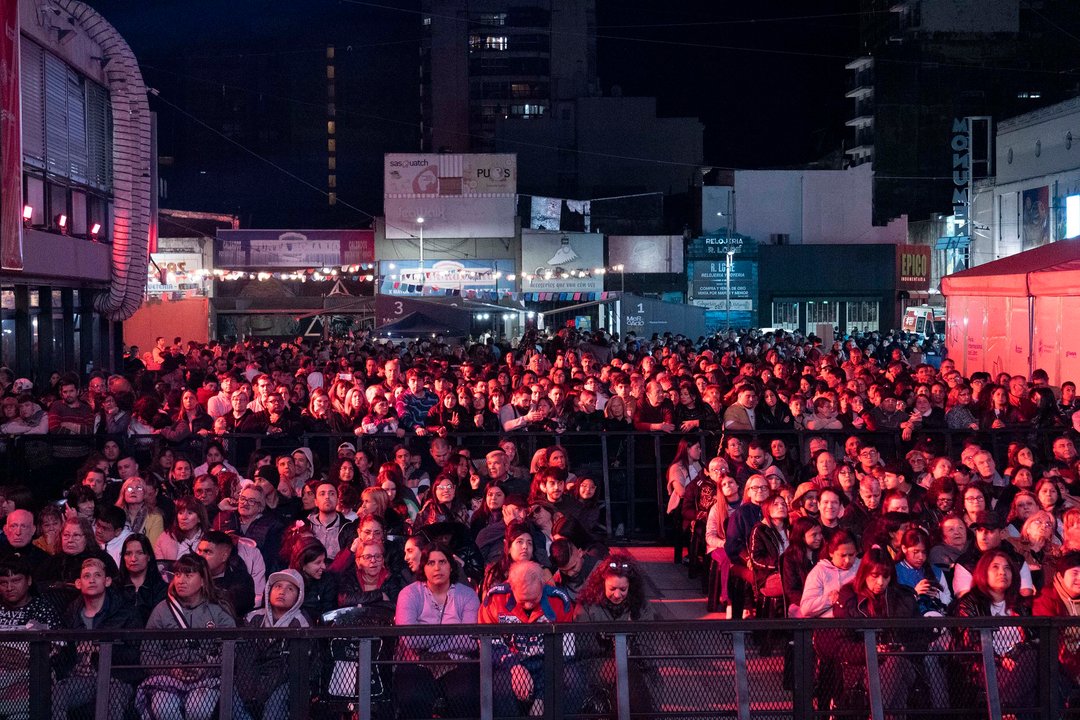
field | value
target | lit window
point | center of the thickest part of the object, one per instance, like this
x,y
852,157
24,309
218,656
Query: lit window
x,y
331,127
495,42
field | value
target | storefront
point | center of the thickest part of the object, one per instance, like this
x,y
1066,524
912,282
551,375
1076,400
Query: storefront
x,y
851,288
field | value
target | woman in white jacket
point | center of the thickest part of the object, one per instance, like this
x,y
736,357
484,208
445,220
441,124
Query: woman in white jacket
x,y
837,567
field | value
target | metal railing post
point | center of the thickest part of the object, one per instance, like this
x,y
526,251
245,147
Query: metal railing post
x,y
1048,652
622,676
993,694
104,674
40,681
553,675
802,674
606,476
299,677
487,702
363,680
631,485
742,675
228,674
873,679
661,505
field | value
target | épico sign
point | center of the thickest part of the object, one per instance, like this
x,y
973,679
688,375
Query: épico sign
x,y
913,267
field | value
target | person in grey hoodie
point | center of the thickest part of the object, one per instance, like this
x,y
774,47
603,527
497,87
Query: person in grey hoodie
x,y
181,690
264,672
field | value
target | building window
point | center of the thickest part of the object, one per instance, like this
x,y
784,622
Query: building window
x,y
527,110
822,312
495,19
863,315
785,315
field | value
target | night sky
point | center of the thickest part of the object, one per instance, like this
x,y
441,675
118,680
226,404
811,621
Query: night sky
x,y
766,78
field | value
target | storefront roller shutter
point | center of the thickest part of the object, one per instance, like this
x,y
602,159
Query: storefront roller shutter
x,y
57,153
76,104
33,104
97,137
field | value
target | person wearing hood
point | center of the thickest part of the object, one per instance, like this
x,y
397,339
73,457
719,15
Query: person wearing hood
x,y
264,671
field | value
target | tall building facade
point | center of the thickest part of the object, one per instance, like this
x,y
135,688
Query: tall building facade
x,y
926,64
482,61
75,203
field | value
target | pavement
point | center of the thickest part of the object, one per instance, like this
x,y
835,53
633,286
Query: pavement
x,y
674,596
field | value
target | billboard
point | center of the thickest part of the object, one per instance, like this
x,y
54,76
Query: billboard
x,y
292,249
1036,215
708,288
913,267
646,253
457,195
404,277
561,262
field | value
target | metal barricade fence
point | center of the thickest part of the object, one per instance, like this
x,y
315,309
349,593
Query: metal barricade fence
x,y
941,667
630,467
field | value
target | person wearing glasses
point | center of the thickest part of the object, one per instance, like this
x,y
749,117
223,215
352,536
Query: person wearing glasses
x,y
250,520
368,581
614,592
740,524
442,505
141,517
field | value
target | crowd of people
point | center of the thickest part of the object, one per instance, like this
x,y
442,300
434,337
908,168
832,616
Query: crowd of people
x,y
351,480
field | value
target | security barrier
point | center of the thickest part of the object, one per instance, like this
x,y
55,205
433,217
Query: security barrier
x,y
715,669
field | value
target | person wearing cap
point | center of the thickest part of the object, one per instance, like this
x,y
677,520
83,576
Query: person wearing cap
x,y
989,532
30,418
264,671
346,450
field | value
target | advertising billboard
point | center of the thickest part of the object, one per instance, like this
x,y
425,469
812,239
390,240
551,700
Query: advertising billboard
x,y
457,195
404,277
708,288
646,253
1036,214
913,267
561,262
264,249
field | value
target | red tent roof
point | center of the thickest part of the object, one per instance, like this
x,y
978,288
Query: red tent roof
x,y
1052,269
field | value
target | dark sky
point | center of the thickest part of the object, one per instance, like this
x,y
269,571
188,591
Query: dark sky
x,y
766,78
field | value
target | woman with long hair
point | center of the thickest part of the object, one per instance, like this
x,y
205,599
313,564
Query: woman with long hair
x,y
187,690
615,592
182,537
437,597
517,545
836,567
140,581
683,470
806,541
308,558
874,593
365,464
489,511
141,517
442,505
768,541
320,417
995,592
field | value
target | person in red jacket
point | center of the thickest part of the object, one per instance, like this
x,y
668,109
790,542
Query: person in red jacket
x,y
1061,598
519,659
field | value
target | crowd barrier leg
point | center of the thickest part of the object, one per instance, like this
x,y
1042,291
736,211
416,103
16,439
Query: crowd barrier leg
x,y
487,686
299,678
228,676
40,681
104,674
661,504
803,674
993,694
742,675
873,678
622,677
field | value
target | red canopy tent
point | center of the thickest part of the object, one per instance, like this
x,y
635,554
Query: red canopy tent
x,y
1017,314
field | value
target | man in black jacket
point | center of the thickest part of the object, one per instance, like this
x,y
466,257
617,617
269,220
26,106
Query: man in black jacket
x,y
228,571
97,608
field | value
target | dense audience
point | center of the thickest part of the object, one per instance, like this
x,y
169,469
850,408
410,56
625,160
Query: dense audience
x,y
293,484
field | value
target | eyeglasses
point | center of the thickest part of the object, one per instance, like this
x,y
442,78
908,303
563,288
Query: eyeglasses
x,y
250,501
371,558
619,566
758,488
444,486
133,490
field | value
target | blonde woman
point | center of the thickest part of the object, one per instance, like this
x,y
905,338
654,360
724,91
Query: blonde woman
x,y
142,517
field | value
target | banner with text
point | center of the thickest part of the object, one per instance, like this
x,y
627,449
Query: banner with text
x,y
562,262
293,249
